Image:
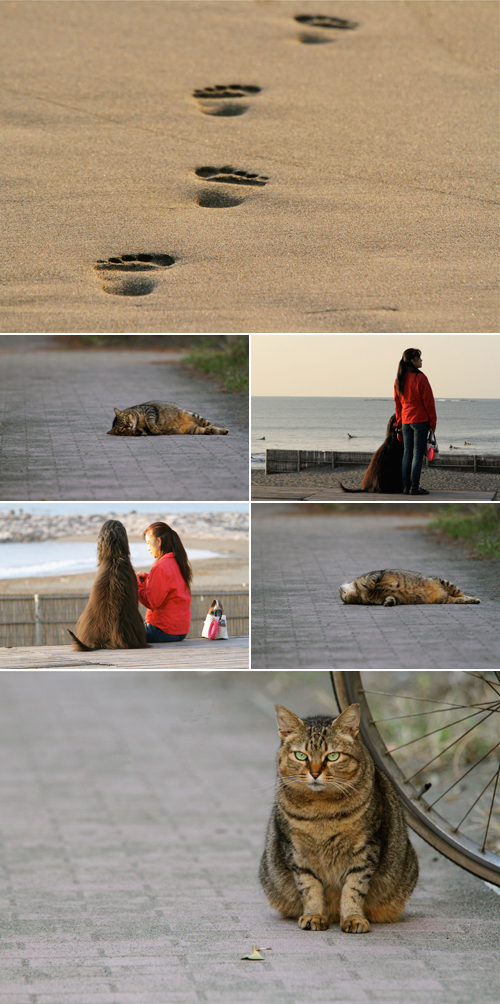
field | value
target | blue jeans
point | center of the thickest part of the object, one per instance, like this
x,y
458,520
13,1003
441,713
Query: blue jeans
x,y
415,443
157,635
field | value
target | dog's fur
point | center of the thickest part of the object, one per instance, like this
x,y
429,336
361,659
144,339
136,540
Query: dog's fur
x,y
384,473
111,618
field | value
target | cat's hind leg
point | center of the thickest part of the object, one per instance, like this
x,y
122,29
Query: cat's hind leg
x,y
455,595
198,426
210,430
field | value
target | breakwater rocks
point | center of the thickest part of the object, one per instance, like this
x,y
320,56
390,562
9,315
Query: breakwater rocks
x,y
23,526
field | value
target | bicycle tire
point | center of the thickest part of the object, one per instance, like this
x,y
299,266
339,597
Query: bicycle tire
x,y
423,819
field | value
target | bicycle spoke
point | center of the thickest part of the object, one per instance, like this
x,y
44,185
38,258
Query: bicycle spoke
x,y
491,810
479,676
436,800
448,725
457,827
486,706
464,816
407,697
455,741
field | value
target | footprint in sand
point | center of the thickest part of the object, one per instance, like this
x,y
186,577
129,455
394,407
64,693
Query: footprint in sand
x,y
124,275
223,99
321,21
220,199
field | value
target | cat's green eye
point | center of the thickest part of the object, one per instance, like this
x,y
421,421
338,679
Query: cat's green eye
x,y
333,756
300,756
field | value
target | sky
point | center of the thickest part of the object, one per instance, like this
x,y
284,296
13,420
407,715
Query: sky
x,y
58,508
365,365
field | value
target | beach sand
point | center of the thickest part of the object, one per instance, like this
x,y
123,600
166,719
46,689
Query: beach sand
x,y
317,478
232,570
376,150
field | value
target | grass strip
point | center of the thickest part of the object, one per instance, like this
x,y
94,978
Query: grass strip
x,y
475,526
224,357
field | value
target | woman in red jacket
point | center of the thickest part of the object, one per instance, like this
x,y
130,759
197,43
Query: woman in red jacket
x,y
166,590
416,413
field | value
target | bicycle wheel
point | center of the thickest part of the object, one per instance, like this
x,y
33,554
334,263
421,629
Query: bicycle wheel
x,y
436,735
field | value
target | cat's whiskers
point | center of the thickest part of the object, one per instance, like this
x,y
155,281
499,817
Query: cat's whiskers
x,y
292,779
265,787
341,782
341,786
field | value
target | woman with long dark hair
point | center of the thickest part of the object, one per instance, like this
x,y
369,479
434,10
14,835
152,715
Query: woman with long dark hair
x,y
416,414
166,589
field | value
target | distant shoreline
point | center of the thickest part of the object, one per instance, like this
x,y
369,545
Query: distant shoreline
x,y
21,526
231,570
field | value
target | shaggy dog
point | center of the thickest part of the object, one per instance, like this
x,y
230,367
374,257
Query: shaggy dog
x,y
384,473
111,618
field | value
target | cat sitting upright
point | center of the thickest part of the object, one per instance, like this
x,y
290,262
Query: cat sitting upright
x,y
161,418
337,846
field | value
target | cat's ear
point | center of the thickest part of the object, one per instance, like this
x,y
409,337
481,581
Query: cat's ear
x,y
349,719
287,721
117,412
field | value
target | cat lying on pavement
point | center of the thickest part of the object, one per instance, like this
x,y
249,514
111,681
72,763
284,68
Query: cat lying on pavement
x,y
393,586
161,418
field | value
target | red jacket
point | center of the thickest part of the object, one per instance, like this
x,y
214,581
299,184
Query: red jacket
x,y
166,596
416,403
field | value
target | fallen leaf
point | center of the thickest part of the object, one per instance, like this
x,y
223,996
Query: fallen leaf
x,y
254,956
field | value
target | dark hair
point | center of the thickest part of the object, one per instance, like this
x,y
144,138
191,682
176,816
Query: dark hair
x,y
111,618
406,366
112,542
170,541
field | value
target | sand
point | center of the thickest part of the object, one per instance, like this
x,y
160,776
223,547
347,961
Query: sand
x,y
376,150
230,571
432,479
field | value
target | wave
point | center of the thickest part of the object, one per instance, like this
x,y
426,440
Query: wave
x,y
15,560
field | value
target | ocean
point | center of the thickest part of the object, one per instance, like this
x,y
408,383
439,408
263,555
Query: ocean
x,y
31,559
323,423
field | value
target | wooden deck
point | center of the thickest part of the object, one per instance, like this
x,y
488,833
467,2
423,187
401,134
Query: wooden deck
x,y
195,653
264,493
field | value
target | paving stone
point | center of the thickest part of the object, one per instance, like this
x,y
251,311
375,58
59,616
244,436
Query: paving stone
x,y
56,410
133,812
299,621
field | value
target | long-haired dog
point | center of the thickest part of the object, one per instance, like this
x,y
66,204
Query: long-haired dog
x,y
384,473
111,618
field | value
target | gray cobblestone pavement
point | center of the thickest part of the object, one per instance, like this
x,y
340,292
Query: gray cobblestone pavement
x,y
133,815
299,621
57,406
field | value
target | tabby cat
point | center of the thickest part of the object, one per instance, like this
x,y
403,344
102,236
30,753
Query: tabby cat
x,y
161,418
337,846
392,586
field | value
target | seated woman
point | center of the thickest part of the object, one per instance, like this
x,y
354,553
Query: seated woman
x,y
166,590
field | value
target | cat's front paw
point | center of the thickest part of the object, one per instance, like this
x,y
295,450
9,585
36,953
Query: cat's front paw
x,y
390,601
313,922
355,924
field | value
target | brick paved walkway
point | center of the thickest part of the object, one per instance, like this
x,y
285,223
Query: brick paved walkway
x,y
133,816
57,406
299,621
